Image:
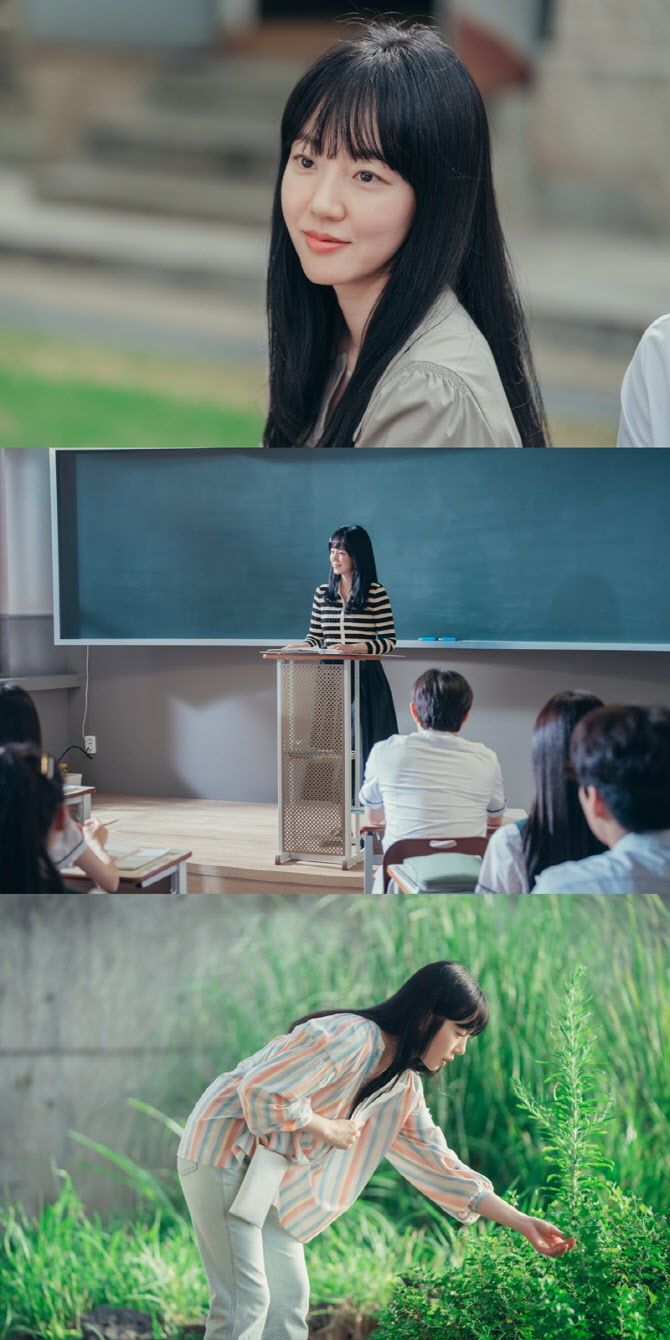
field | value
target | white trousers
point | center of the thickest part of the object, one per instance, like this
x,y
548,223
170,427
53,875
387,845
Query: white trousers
x,y
258,1285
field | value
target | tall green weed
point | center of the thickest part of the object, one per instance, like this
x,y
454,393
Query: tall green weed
x,y
614,1283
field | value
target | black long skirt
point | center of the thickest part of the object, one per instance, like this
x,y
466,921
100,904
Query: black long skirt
x,y
378,718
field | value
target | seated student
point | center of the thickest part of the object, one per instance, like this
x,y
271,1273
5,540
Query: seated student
x,y
20,724
620,757
433,783
645,391
555,829
31,815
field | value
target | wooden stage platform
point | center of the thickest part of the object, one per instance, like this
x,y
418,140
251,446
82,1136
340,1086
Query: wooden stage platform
x,y
233,844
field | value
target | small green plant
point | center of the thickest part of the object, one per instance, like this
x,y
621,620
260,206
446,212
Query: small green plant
x,y
616,1281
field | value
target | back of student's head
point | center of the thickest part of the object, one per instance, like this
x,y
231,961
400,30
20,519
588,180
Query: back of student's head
x,y
624,752
19,722
441,699
31,795
556,829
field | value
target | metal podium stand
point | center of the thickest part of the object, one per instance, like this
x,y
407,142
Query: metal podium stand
x,y
319,755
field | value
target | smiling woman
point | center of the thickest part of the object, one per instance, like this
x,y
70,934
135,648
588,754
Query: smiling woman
x,y
393,317
274,1151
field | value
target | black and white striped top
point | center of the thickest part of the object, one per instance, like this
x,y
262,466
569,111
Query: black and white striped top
x,y
372,625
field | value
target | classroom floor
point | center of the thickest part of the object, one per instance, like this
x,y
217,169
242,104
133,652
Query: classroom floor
x,y
233,845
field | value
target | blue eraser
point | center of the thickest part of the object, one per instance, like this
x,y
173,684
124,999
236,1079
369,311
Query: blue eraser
x,y
448,639
428,639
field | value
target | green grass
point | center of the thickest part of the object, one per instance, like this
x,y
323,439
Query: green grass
x,y
62,1262
55,394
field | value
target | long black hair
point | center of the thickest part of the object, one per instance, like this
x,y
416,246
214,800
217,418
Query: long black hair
x,y
556,829
412,1017
402,96
31,793
19,722
357,543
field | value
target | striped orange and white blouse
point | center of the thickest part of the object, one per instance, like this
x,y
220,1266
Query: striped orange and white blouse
x,y
319,1068
335,623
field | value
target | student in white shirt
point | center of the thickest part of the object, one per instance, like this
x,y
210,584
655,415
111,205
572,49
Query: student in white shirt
x,y
555,829
620,757
645,392
433,783
68,843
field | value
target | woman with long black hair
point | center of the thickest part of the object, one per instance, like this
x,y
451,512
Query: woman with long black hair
x,y
32,814
394,320
282,1145
351,612
555,830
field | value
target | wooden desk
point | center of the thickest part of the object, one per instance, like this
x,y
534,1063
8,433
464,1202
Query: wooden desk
x,y
79,796
171,866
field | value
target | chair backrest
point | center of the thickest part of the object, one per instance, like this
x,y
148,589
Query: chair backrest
x,y
404,847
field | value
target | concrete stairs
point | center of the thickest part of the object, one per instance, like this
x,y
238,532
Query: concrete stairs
x,y
202,144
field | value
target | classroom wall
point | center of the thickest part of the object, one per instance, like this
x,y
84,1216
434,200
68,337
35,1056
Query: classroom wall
x,y
200,721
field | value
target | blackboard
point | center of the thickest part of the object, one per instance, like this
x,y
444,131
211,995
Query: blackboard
x,y
492,547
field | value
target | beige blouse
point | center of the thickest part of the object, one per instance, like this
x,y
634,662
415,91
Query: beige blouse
x,y
441,390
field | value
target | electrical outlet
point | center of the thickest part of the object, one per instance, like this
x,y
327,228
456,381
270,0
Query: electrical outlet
x,y
90,745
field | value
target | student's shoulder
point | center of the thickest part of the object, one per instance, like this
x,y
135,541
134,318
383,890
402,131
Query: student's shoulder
x,y
480,751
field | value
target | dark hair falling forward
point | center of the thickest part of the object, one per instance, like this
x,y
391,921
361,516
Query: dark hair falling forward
x,y
412,1016
357,543
556,829
400,95
29,802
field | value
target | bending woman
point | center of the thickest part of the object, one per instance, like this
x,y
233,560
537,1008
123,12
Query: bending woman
x,y
394,320
274,1151
352,612
555,830
32,815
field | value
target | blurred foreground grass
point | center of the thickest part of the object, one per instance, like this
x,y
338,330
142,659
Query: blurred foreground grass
x,y
60,393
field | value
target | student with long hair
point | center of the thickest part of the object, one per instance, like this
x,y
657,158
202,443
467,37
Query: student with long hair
x,y
276,1149
31,815
69,844
352,612
394,320
555,829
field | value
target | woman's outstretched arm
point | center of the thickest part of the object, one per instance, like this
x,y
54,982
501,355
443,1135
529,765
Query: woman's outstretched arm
x,y
543,1236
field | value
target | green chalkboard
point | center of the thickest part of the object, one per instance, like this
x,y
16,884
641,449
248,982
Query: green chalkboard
x,y
491,547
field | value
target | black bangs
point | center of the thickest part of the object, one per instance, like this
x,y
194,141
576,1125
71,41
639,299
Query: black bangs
x,y
356,113
339,537
474,1019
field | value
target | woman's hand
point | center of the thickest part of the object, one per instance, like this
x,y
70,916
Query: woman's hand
x,y
352,648
96,831
340,1132
299,646
546,1238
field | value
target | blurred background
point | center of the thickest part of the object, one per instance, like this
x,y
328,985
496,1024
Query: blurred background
x,y
138,144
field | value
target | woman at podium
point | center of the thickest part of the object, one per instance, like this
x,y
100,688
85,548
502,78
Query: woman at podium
x,y
352,613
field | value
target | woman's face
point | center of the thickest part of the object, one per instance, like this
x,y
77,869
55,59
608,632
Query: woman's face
x,y
341,562
450,1040
346,218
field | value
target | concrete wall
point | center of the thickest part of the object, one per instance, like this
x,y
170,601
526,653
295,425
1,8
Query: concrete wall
x,y
89,988
601,109
200,721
